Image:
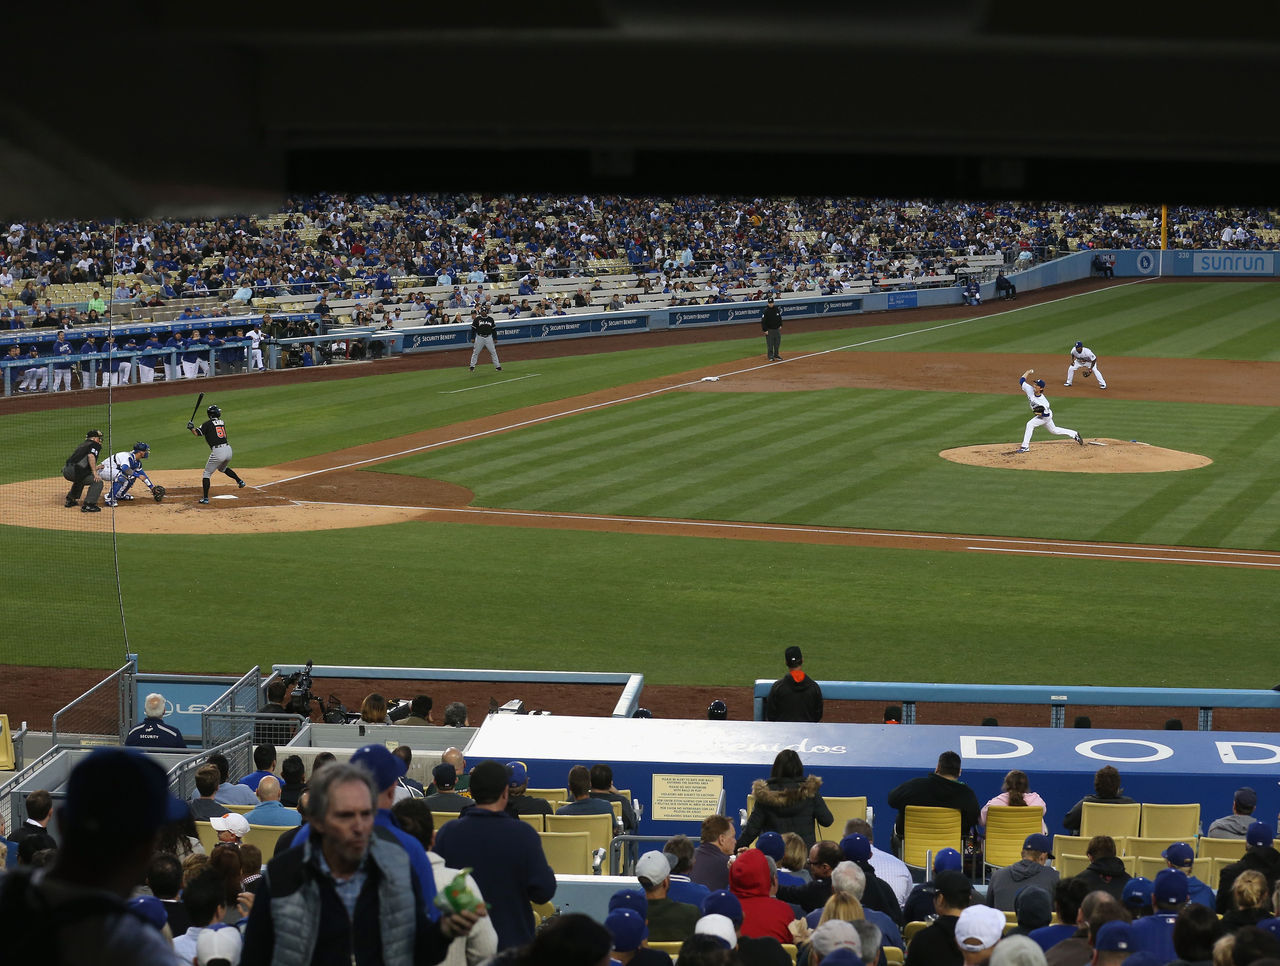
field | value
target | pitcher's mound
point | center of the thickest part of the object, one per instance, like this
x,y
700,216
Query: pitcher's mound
x,y
1065,456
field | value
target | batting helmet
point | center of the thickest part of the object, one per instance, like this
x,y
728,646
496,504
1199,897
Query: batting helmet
x,y
143,448
1079,345
214,412
718,711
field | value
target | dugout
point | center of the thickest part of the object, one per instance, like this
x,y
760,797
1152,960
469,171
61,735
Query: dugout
x,y
661,760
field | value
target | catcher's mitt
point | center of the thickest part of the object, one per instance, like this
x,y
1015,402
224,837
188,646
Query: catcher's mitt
x,y
157,493
1087,373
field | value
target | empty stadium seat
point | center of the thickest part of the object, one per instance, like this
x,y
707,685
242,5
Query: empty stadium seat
x,y
1231,849
568,853
1173,820
1097,818
599,828
1145,847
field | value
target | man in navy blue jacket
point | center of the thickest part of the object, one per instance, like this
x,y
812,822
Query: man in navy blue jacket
x,y
504,854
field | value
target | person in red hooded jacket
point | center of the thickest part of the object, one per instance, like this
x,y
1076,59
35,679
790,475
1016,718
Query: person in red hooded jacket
x,y
753,882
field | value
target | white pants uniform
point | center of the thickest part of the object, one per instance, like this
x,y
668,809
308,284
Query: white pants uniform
x,y
219,459
1046,420
61,380
123,373
146,369
1083,358
202,366
37,377
484,342
255,359
172,370
188,369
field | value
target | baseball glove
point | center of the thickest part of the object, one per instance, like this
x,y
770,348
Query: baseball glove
x,y
1087,373
157,493
1038,410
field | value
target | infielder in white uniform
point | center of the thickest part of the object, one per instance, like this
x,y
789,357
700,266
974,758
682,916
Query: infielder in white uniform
x,y
1043,414
255,346
1082,357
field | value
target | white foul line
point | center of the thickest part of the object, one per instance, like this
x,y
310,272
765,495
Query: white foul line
x,y
654,392
1125,556
1049,548
489,385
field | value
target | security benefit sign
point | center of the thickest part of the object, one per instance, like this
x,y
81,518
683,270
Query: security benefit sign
x,y
685,798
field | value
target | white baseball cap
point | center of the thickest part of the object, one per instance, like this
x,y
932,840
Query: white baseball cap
x,y
231,822
219,944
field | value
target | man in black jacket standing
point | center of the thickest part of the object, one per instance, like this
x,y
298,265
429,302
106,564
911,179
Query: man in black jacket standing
x,y
795,696
771,322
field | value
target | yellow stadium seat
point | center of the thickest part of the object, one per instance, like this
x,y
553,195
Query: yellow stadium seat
x,y
1097,818
1069,865
1153,847
1174,820
534,819
927,829
1007,828
599,828
568,853
1232,849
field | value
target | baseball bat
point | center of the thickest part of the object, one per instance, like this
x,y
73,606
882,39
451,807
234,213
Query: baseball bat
x,y
196,407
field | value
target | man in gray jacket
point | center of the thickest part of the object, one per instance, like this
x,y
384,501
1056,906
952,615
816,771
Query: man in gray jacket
x,y
1032,869
347,895
1236,825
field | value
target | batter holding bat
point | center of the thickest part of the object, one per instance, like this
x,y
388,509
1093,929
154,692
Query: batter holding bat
x,y
214,431
1042,413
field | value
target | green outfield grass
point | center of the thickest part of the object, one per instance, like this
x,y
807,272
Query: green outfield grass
x,y
692,610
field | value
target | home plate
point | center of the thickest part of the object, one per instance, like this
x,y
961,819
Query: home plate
x,y
225,496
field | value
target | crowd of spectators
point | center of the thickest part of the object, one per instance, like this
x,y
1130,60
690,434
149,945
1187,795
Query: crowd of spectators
x,y
357,245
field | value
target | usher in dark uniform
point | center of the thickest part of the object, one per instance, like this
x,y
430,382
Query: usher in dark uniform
x,y
771,322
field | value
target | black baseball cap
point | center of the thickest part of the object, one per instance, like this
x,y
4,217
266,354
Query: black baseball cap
x,y
794,657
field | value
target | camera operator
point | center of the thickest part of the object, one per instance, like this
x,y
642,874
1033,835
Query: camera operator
x,y
265,731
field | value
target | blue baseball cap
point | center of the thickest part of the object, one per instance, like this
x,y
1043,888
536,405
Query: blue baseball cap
x,y
628,929
723,903
948,860
1259,834
771,844
630,899
856,848
1115,937
518,774
1169,887
385,767
1037,842
1137,892
1180,853
120,792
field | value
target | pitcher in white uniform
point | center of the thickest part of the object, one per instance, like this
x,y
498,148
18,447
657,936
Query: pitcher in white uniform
x,y
1043,413
1082,357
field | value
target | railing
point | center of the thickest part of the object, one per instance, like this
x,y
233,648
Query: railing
x,y
105,710
238,752
908,694
13,803
632,684
233,713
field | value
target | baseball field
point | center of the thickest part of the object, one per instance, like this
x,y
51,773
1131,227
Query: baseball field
x,y
685,510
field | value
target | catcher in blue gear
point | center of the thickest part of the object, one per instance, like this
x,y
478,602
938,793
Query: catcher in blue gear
x,y
123,470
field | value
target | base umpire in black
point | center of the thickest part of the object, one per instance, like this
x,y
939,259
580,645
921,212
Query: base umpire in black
x,y
81,470
771,322
214,431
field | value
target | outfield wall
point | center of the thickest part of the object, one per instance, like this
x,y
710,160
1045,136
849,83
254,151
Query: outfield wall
x,y
852,759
